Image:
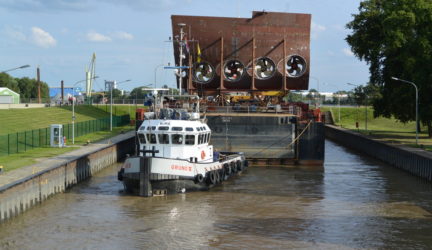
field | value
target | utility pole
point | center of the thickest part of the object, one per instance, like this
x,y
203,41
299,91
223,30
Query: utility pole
x,y
38,83
62,91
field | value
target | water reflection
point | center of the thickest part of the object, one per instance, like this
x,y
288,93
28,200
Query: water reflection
x,y
353,202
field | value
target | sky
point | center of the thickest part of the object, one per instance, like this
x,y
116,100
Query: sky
x,y
130,38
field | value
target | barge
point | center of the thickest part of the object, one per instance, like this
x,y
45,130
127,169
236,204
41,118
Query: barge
x,y
243,69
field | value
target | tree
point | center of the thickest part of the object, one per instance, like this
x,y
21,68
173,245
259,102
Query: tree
x,y
137,93
26,87
8,82
294,97
116,93
395,38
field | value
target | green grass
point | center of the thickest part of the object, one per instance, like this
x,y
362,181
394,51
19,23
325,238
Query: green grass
x,y
124,109
33,156
17,120
386,129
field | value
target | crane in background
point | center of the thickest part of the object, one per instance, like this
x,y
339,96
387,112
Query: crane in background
x,y
90,76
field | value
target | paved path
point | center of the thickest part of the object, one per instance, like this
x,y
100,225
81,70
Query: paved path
x,y
13,176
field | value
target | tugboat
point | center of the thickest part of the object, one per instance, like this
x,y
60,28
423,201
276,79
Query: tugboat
x,y
175,154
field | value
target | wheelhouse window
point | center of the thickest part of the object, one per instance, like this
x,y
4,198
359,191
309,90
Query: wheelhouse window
x,y
200,139
142,128
177,139
163,128
163,138
177,128
198,129
151,138
189,129
141,138
151,128
190,140
208,137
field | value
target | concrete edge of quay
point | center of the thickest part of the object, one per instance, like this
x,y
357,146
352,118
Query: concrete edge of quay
x,y
413,160
26,187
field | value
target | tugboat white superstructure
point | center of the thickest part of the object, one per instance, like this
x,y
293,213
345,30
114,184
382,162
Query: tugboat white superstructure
x,y
175,154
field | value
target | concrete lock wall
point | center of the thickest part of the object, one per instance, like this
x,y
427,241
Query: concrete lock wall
x,y
23,194
415,161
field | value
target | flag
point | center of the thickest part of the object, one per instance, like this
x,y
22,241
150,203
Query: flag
x,y
198,53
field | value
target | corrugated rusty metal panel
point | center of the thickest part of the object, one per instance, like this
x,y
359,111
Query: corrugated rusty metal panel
x,y
269,29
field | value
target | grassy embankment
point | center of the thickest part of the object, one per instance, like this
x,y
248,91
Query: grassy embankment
x,y
386,129
121,109
17,120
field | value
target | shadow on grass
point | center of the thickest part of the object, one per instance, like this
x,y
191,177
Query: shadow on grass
x,y
87,110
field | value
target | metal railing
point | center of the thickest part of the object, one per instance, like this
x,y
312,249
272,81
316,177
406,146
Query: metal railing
x,y
36,138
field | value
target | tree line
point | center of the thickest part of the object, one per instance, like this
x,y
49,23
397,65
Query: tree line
x,y
26,87
394,37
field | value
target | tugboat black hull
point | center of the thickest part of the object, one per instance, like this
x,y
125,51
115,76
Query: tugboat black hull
x,y
139,178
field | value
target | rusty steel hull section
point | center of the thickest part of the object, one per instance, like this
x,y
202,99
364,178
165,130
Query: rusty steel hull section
x,y
220,41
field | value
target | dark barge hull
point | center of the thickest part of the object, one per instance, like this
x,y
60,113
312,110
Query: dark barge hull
x,y
268,138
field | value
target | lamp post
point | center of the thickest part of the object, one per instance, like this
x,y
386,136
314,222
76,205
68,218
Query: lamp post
x,y
339,96
73,108
416,91
111,84
20,67
366,106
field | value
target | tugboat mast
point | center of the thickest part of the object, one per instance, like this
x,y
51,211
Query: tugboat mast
x,y
181,25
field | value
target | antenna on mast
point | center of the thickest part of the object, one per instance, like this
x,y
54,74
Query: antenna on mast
x,y
181,25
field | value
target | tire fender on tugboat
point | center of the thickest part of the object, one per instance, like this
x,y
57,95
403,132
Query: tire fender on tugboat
x,y
210,178
239,165
227,169
233,167
199,178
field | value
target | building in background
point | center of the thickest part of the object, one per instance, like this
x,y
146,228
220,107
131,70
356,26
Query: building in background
x,y
8,96
55,94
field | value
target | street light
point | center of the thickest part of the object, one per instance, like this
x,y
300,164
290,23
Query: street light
x,y
111,83
366,106
416,91
73,107
21,67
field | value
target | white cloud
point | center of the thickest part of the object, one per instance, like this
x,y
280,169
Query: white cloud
x,y
316,29
97,37
121,35
347,52
42,38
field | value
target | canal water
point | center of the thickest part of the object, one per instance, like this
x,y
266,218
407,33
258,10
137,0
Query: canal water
x,y
353,202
